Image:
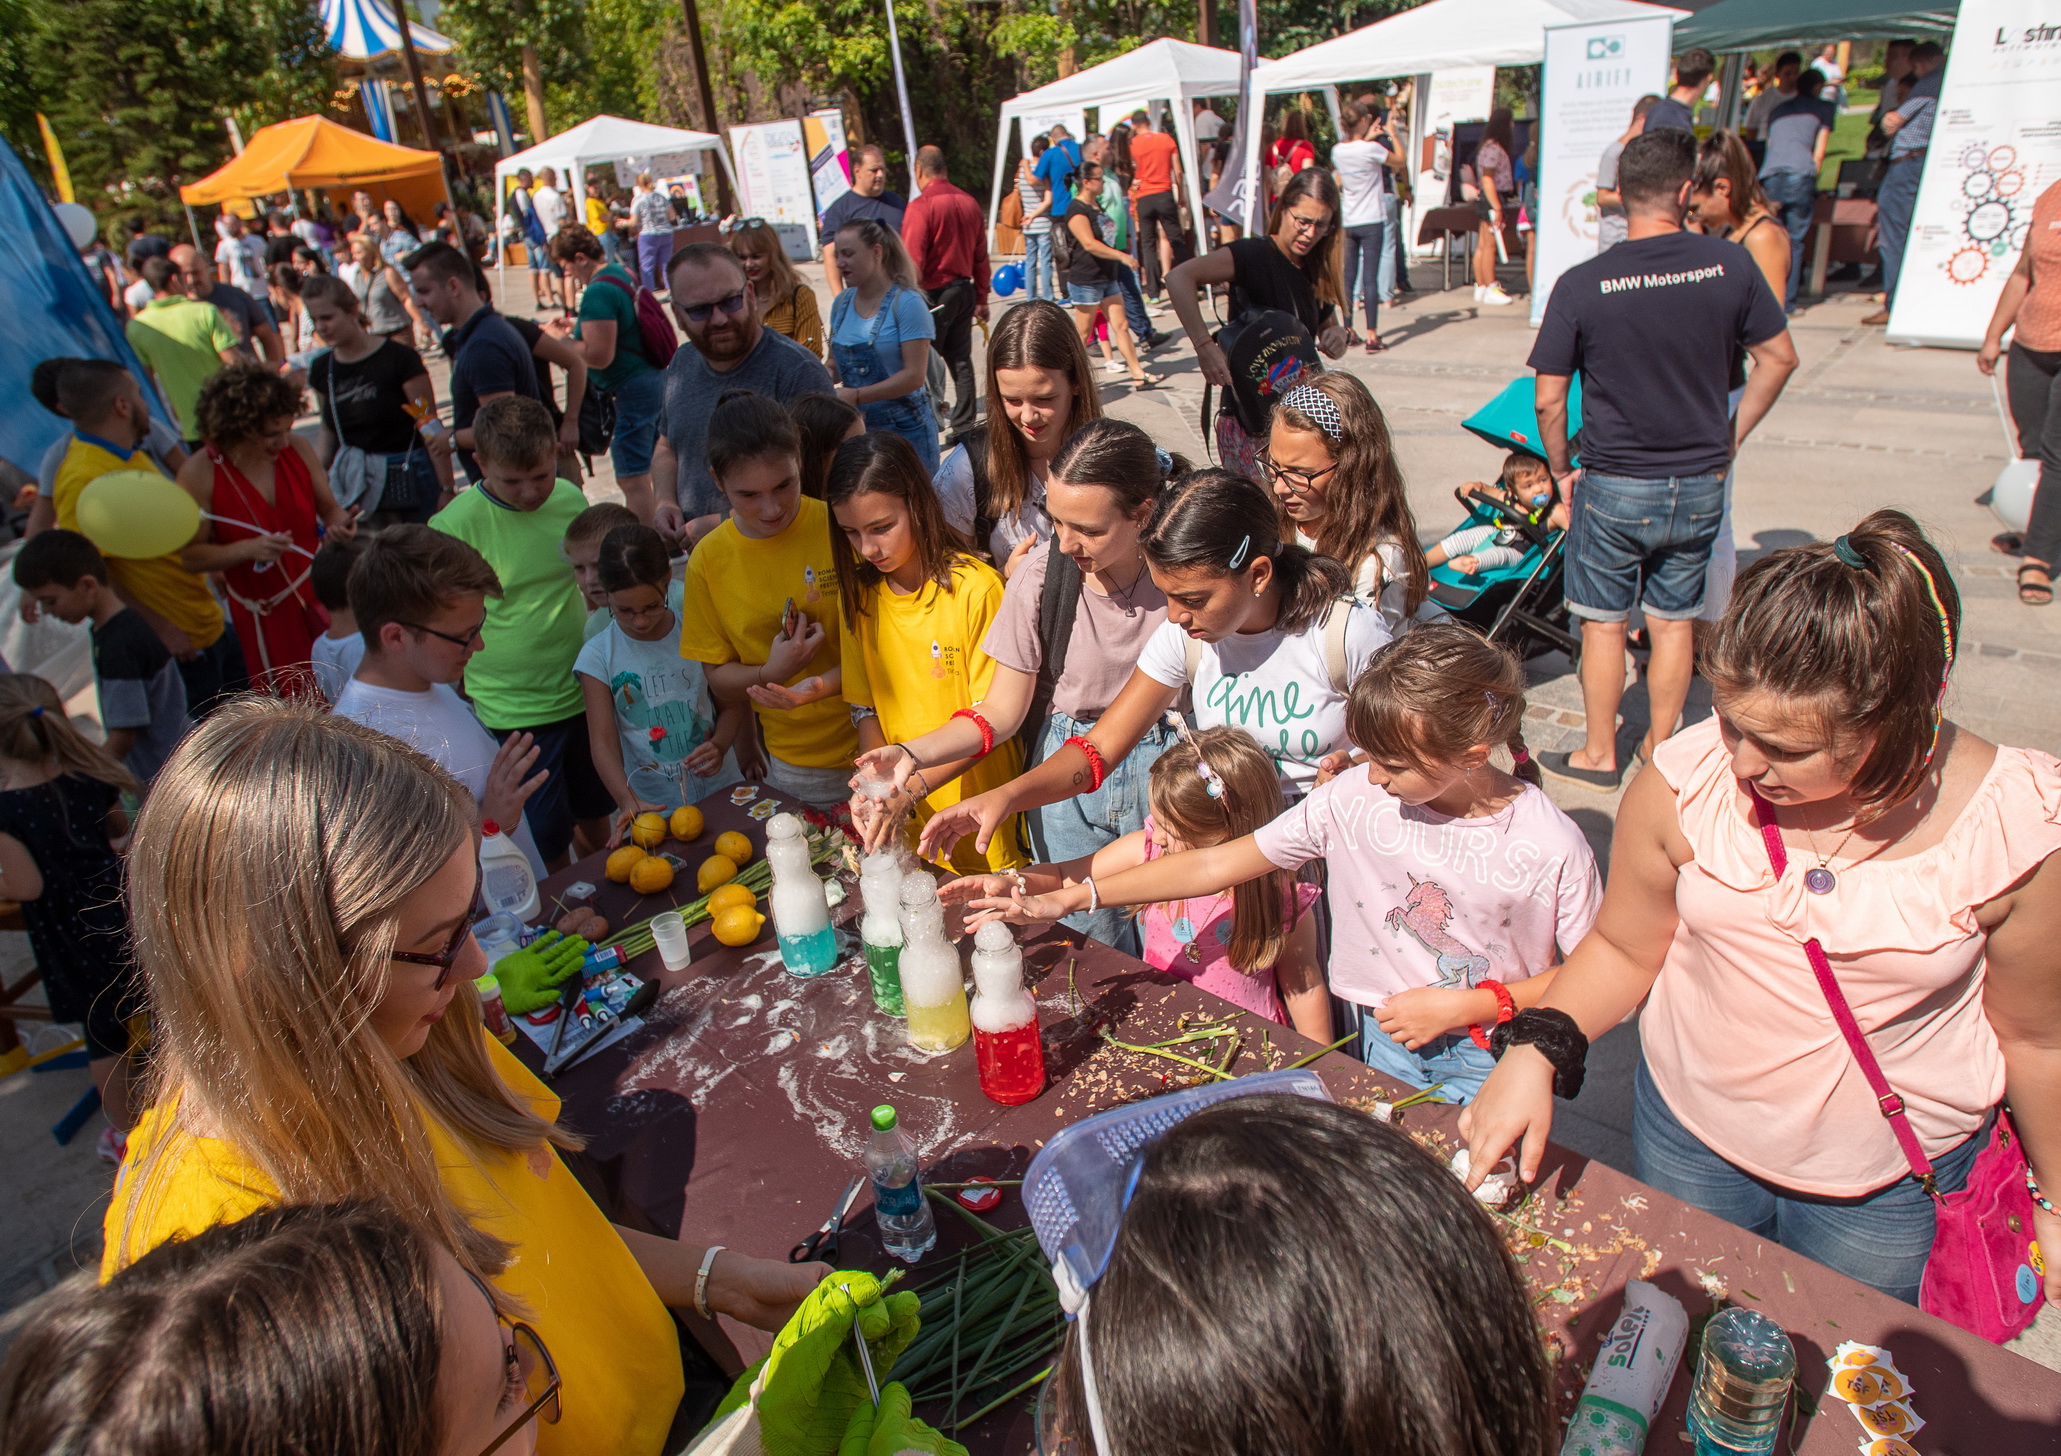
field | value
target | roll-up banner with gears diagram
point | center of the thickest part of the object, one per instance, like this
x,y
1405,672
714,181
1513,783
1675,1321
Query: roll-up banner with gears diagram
x,y
1995,148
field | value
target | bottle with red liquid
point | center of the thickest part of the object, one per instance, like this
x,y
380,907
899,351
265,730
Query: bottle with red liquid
x,y
1005,1020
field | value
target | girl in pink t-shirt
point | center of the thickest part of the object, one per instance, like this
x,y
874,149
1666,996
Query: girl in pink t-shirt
x,y
1255,943
1454,888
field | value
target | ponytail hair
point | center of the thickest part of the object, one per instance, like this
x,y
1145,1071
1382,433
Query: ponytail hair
x,y
1217,520
1861,633
1435,692
1262,910
1120,458
34,729
894,258
746,425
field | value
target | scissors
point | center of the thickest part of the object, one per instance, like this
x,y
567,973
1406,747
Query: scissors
x,y
823,1243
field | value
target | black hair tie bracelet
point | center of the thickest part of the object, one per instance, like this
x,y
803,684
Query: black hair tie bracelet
x,y
1558,1039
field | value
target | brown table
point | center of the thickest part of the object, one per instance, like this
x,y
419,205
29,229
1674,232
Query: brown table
x,y
740,1111
1842,231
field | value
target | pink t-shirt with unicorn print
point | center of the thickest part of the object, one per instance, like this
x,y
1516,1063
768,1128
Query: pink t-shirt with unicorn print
x,y
1422,899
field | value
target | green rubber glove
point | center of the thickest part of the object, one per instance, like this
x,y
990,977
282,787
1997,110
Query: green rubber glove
x,y
891,1430
811,1383
530,978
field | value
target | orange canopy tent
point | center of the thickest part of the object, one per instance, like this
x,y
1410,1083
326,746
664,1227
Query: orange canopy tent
x,y
315,153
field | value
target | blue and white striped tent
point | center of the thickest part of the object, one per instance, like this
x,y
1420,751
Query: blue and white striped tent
x,y
361,30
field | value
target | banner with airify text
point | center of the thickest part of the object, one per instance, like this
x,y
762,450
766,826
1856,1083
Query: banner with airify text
x,y
1995,148
1594,72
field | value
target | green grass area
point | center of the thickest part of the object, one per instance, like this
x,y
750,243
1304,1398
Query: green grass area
x,y
1849,140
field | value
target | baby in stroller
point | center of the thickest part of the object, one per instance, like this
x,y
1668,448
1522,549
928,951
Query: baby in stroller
x,y
1525,490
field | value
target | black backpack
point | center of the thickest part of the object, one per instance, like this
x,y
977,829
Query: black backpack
x,y
1269,353
975,443
1058,601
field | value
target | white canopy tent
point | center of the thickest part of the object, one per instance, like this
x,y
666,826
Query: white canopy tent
x,y
597,140
1173,71
1441,35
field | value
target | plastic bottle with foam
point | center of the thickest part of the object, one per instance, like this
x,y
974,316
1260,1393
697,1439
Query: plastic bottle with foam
x,y
880,930
1005,1020
933,986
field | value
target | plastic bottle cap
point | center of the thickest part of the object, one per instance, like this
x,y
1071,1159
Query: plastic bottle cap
x,y
883,1118
488,828
487,985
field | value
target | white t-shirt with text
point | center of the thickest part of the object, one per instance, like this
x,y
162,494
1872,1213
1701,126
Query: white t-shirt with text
x,y
663,712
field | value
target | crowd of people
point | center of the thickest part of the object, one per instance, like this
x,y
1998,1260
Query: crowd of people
x,y
1213,716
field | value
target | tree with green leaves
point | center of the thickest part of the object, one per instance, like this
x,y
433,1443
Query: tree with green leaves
x,y
522,48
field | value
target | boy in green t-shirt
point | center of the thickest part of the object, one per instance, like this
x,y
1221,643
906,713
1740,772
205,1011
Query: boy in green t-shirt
x,y
611,340
521,679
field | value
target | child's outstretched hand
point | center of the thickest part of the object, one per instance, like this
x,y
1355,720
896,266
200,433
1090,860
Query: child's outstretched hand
x,y
1422,1013
705,759
1012,907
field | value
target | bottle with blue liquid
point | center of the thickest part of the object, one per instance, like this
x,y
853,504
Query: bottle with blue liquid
x,y
801,907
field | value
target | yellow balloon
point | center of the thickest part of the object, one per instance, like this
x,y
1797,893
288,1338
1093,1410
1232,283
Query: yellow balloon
x,y
137,514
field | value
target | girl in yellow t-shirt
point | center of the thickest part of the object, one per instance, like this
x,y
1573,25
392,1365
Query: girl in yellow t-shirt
x,y
916,612
303,887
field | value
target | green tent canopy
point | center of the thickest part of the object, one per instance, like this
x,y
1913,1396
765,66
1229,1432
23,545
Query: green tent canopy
x,y
1751,25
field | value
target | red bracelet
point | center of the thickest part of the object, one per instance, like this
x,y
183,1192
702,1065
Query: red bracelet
x,y
987,729
1505,1009
1097,770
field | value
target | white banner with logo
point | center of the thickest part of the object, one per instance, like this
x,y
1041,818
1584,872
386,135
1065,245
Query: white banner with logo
x,y
829,164
1074,119
1444,99
1995,148
773,175
1594,73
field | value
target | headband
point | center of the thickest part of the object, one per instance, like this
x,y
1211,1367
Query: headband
x,y
1166,461
1321,409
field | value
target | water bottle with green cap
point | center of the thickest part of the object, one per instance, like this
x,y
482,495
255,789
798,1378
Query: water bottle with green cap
x,y
906,1228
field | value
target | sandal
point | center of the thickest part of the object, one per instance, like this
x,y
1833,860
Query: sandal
x,y
1148,380
2035,593
2007,543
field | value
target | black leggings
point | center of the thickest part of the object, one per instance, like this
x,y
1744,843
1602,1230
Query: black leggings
x,y
2032,381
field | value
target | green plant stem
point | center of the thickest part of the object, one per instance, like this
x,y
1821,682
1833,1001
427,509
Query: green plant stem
x,y
1004,1398
1153,1051
959,1390
1326,1051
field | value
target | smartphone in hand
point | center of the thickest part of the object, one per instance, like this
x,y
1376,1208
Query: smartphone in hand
x,y
791,623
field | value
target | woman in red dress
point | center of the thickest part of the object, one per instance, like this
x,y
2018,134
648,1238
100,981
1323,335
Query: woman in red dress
x,y
263,494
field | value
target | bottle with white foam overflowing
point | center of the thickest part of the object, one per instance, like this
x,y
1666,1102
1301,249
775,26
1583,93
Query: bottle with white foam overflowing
x,y
880,929
933,986
801,907
1005,1020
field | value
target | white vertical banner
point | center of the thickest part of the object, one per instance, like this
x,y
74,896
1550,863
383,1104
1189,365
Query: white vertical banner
x,y
1594,72
1444,99
1996,146
773,175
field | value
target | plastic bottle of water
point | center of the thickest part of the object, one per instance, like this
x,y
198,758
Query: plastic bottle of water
x,y
1742,1382
506,883
1005,1020
801,909
906,1228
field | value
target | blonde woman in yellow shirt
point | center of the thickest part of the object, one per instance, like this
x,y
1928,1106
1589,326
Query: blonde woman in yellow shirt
x,y
303,889
916,612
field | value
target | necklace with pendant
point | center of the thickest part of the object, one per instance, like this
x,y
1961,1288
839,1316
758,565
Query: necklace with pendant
x,y
1186,930
1821,881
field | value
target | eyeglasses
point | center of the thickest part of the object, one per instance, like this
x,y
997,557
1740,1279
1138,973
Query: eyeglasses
x,y
446,959
698,313
529,1363
477,634
1296,480
1307,224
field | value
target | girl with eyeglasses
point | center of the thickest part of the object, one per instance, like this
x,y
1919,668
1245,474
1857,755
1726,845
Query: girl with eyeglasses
x,y
304,888
321,1329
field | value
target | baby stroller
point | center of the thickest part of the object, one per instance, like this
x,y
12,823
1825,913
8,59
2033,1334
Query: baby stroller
x,y
1520,604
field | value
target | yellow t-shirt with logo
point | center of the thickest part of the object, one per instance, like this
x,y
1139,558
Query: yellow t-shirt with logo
x,y
738,587
616,1346
916,660
160,583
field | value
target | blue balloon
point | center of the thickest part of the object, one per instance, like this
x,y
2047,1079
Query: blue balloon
x,y
1008,278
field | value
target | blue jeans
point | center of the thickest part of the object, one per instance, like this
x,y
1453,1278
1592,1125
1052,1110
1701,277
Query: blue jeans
x,y
1134,307
1037,265
1881,1239
1641,543
1452,1063
1794,196
1076,827
1363,255
639,400
1895,200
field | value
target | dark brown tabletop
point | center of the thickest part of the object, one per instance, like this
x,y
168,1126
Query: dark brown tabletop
x,y
740,1111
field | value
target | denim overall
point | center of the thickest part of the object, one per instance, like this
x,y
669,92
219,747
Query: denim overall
x,y
859,364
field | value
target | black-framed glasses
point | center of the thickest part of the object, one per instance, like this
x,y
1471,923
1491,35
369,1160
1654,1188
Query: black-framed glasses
x,y
477,634
698,313
1297,480
530,1365
447,958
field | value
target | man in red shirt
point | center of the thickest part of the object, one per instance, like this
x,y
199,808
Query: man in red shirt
x,y
947,239
1155,178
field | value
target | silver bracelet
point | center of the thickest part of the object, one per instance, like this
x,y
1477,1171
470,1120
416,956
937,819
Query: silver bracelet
x,y
708,1262
860,712
1094,896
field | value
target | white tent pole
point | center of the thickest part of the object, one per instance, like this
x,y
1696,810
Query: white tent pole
x,y
1182,115
1001,156
894,48
1331,105
1252,104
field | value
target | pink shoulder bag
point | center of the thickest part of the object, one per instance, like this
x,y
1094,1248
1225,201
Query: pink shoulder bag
x,y
1980,1274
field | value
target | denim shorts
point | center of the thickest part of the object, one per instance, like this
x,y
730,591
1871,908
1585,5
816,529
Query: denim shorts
x,y
639,400
1641,543
1452,1063
1090,295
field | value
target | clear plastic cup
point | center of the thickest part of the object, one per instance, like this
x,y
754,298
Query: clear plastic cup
x,y
669,934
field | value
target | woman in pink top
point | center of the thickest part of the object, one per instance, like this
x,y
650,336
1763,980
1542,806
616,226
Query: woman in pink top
x,y
1917,856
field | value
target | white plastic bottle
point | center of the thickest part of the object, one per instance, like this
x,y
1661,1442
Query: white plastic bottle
x,y
505,881
1005,1020
907,1229
880,931
801,908
933,985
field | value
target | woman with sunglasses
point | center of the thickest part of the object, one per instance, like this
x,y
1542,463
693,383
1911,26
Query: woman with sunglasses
x,y
353,1335
304,888
787,304
1297,269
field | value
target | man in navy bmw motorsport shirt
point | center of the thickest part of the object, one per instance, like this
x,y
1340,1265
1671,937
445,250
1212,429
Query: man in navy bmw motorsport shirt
x,y
1655,327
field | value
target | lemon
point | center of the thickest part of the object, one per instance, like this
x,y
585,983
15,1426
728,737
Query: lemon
x,y
738,925
715,870
730,894
648,830
650,875
623,861
687,823
734,847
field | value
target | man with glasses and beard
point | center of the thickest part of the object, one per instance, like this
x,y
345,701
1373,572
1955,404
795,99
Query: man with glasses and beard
x,y
730,348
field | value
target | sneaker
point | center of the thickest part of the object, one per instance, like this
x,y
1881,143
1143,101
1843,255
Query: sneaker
x,y
1493,296
1478,291
113,1146
1113,366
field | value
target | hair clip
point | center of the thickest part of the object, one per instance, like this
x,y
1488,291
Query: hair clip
x,y
1213,782
1238,557
1320,408
1493,700
37,711
1844,550
1166,460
